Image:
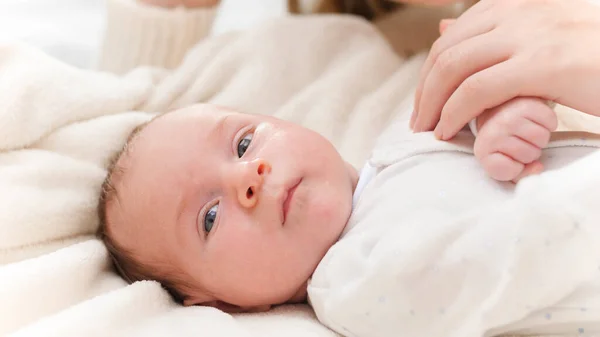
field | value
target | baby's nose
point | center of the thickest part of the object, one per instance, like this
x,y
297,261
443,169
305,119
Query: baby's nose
x,y
251,179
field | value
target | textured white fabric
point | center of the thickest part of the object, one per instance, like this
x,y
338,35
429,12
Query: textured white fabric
x,y
436,248
367,173
61,125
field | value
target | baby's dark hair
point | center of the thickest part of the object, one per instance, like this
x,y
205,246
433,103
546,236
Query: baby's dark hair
x,y
125,262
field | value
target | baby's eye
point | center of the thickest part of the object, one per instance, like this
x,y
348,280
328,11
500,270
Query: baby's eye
x,y
210,217
244,144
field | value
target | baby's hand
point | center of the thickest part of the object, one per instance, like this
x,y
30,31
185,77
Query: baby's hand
x,y
511,137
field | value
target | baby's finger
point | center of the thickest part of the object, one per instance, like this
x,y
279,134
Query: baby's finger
x,y
543,115
534,109
519,149
533,133
501,167
530,169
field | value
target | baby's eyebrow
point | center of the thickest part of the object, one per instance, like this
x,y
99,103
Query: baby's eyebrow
x,y
181,204
219,126
180,208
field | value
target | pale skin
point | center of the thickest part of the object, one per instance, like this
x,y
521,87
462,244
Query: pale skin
x,y
508,147
219,215
511,136
499,50
240,207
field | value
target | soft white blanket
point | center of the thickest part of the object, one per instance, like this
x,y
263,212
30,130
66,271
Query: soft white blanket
x,y
60,125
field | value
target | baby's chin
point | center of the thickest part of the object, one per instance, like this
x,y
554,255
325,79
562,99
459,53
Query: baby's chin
x,y
352,175
300,296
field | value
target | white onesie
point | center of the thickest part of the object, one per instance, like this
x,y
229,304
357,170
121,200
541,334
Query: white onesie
x,y
436,248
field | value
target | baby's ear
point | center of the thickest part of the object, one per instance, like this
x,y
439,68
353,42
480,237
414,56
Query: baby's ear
x,y
234,309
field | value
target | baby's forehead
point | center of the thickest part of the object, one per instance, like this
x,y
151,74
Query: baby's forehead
x,y
166,130
173,122
168,144
158,156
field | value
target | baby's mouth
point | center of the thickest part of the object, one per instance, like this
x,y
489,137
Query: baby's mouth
x,y
288,198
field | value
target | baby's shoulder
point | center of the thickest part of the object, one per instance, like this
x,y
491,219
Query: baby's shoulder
x,y
397,144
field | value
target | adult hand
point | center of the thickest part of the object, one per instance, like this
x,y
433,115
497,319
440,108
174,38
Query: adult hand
x,y
502,49
184,3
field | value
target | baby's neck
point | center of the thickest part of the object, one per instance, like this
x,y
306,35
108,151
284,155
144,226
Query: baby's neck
x,y
353,173
300,296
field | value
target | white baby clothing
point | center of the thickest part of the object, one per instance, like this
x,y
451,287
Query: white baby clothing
x,y
367,174
435,247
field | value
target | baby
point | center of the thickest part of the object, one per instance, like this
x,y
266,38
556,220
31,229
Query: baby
x,y
236,211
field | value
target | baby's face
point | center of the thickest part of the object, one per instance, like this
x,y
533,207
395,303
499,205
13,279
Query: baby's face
x,y
242,206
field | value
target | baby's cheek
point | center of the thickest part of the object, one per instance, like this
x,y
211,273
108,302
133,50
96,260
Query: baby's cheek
x,y
240,251
239,238
329,206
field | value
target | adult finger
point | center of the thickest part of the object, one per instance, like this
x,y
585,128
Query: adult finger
x,y
475,21
452,68
484,90
444,24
